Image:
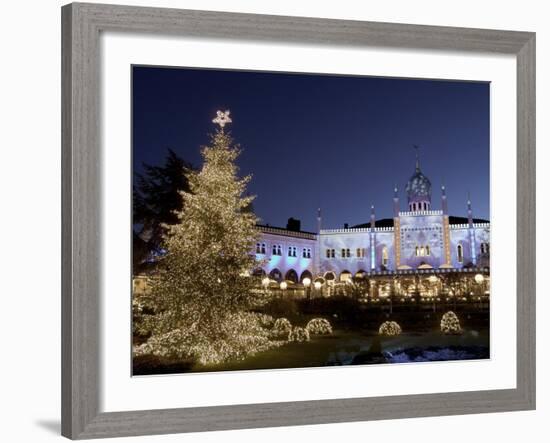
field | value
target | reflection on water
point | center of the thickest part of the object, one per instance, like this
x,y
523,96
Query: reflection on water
x,y
410,348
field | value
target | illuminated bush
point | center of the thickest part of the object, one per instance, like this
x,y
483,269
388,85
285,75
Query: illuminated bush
x,y
319,326
265,320
450,323
281,327
298,334
389,328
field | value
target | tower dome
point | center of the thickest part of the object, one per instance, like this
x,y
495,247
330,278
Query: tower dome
x,y
419,189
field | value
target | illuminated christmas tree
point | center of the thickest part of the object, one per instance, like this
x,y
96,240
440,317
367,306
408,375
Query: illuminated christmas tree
x,y
203,294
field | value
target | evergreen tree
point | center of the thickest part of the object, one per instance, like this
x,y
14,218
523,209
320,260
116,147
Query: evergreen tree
x,y
156,196
204,292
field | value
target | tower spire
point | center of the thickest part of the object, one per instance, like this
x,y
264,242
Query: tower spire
x,y
395,201
470,212
417,149
444,206
318,220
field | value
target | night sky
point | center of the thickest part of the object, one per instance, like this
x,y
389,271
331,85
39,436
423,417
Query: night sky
x,y
335,142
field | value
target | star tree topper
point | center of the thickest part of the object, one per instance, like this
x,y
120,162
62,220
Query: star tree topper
x,y
222,118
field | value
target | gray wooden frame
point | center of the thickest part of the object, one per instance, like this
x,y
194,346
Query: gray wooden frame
x,y
81,165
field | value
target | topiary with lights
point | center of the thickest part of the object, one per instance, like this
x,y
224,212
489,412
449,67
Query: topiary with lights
x,y
389,328
281,327
450,323
319,326
298,334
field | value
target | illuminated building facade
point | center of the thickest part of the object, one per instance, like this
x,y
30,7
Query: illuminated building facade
x,y
420,238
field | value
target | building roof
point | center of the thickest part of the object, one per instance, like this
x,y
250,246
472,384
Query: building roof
x,y
286,232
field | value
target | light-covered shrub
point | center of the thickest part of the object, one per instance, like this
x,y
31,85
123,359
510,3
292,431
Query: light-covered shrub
x,y
319,326
281,327
298,334
450,323
265,320
389,328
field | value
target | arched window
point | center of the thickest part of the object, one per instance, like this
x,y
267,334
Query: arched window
x,y
385,258
427,250
276,275
292,276
460,253
306,274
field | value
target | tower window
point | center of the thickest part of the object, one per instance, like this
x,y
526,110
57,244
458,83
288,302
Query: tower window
x,y
385,258
460,253
484,248
422,251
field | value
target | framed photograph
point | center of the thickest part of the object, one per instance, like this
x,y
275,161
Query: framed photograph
x,y
273,221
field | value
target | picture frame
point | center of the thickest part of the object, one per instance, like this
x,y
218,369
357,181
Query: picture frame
x,y
81,225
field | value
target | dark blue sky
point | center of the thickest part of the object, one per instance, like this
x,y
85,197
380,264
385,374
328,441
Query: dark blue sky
x,y
335,142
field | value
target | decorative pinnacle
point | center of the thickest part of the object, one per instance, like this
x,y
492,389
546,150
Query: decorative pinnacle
x,y
417,158
222,118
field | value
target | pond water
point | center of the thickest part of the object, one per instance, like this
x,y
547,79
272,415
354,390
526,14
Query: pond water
x,y
353,348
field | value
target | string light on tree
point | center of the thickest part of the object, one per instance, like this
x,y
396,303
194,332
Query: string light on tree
x,y
198,313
